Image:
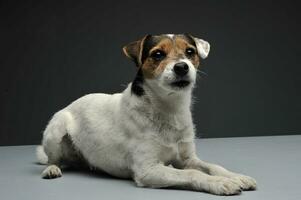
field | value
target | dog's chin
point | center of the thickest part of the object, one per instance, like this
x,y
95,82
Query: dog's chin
x,y
181,85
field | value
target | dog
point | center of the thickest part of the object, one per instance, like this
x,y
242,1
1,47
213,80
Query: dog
x,y
145,133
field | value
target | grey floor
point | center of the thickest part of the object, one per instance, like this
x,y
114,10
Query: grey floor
x,y
273,161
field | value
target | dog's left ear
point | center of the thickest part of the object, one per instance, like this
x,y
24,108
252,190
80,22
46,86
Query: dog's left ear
x,y
134,50
203,47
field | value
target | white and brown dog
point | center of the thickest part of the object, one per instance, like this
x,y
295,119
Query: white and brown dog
x,y
146,132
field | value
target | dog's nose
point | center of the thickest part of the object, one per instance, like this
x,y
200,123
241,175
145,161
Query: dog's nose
x,y
181,68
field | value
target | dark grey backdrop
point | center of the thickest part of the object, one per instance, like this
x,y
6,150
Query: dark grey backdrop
x,y
54,52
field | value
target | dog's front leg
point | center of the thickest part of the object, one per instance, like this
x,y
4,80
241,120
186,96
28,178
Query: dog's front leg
x,y
191,161
161,176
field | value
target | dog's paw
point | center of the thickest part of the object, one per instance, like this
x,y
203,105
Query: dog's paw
x,y
223,186
52,171
245,182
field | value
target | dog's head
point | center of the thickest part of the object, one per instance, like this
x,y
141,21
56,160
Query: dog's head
x,y
167,62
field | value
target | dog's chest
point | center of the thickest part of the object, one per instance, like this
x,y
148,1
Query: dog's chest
x,y
169,154
169,128
169,131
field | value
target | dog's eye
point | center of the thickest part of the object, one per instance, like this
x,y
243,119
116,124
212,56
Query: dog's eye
x,y
190,52
158,55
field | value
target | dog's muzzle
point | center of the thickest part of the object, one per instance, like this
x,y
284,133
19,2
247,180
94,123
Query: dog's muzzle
x,y
181,70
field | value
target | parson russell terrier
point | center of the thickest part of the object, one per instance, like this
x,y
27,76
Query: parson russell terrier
x,y
146,132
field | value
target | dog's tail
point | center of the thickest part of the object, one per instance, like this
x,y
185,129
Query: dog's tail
x,y
41,155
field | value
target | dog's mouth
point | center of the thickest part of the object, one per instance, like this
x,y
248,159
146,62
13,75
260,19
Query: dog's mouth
x,y
180,83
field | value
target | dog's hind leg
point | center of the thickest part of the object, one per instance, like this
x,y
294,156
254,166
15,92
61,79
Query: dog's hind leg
x,y
53,145
52,171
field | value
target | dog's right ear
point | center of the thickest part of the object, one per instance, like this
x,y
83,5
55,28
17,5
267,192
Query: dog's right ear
x,y
203,47
134,50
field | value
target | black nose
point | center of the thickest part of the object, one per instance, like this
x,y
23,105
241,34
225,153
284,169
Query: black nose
x,y
181,68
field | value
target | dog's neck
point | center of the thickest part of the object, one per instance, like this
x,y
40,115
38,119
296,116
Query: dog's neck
x,y
167,101
160,109
148,95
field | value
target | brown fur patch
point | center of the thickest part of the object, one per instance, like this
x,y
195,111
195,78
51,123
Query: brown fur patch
x,y
174,49
134,50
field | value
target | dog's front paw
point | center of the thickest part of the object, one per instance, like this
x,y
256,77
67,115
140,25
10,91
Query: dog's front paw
x,y
245,182
223,186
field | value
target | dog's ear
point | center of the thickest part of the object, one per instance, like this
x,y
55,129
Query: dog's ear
x,y
203,47
134,50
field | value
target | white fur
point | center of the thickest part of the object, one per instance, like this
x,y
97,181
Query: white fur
x,y
138,137
41,155
52,171
203,47
170,35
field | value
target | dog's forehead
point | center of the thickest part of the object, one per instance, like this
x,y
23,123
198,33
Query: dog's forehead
x,y
170,39
174,37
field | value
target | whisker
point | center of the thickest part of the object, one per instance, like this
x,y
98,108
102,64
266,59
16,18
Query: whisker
x,y
202,72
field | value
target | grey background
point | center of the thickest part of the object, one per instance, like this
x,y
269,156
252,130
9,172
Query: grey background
x,y
54,52
20,176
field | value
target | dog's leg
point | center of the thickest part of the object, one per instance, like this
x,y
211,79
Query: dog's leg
x,y
52,171
54,146
191,161
245,182
160,176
